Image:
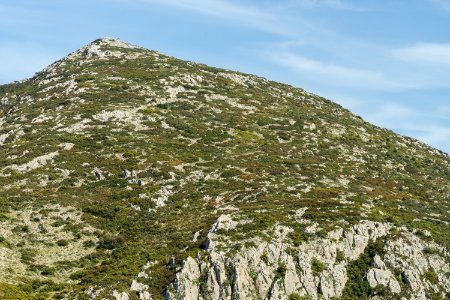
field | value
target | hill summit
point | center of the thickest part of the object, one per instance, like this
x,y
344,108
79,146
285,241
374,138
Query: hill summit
x,y
128,174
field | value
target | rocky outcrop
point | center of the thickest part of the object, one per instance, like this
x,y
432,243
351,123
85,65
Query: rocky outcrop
x,y
120,295
186,282
141,290
34,163
318,268
423,265
385,278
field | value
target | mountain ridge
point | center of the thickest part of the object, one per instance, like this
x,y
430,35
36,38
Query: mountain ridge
x,y
178,180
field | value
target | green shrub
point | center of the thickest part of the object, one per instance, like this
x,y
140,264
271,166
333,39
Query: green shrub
x,y
12,292
21,228
77,275
281,271
430,250
298,237
110,242
62,243
431,276
230,173
88,244
131,153
317,266
149,110
340,256
27,255
46,271
357,286
295,296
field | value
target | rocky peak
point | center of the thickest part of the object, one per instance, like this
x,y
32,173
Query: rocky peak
x,y
108,40
106,47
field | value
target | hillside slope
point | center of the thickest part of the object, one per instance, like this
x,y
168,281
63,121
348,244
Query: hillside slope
x,y
128,174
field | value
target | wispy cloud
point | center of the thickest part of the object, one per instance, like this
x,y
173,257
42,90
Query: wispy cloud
x,y
17,15
337,74
432,134
333,4
277,18
409,121
390,114
272,17
425,52
254,16
344,5
214,7
437,136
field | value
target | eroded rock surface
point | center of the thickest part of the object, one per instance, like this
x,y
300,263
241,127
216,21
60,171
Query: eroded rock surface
x,y
276,269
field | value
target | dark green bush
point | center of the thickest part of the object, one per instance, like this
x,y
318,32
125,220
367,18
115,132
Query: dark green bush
x,y
110,242
62,243
295,296
46,271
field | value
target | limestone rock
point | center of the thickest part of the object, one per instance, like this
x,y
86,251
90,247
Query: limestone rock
x,y
272,270
185,284
120,295
383,277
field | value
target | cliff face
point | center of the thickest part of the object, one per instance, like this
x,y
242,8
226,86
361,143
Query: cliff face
x,y
129,174
368,258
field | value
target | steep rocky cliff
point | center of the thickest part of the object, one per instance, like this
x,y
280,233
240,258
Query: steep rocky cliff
x,y
129,174
385,260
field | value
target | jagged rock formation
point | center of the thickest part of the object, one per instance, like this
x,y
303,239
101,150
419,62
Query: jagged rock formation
x,y
276,269
129,174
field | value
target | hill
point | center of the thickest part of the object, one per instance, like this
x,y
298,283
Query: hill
x,y
129,174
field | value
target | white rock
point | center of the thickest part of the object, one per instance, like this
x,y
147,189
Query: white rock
x,y
3,137
120,295
383,277
35,163
66,146
185,283
145,295
253,271
137,286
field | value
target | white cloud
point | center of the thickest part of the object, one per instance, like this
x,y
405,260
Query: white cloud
x,y
407,120
336,74
334,4
390,114
425,52
253,16
432,134
272,17
436,136
213,7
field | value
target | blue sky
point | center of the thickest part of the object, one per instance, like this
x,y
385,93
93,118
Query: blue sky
x,y
387,61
